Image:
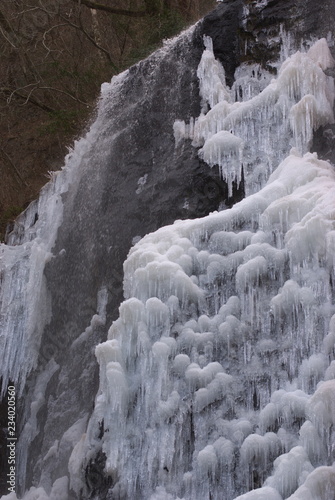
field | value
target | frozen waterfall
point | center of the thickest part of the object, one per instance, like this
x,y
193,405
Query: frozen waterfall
x,y
217,380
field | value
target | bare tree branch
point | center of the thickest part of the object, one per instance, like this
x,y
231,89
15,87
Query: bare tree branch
x,y
63,92
17,91
112,10
82,29
10,93
48,31
14,166
5,23
7,38
14,41
30,98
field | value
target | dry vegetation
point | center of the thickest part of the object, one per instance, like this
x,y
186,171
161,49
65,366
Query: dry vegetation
x,y
54,56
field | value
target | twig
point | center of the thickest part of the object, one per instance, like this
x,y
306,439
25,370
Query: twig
x,y
81,28
14,167
65,93
7,39
8,91
112,10
16,91
48,31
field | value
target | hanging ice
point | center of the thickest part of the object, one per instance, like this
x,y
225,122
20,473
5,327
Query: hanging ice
x,y
257,131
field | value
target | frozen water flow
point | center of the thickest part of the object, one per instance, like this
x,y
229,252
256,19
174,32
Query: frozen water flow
x,y
217,379
24,299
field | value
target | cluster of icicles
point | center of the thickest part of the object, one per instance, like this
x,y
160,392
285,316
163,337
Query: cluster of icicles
x,y
244,126
217,381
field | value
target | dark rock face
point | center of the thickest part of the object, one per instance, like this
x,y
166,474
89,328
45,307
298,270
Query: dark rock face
x,y
223,26
249,30
134,181
324,143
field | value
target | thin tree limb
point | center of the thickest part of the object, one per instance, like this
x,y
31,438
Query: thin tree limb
x,y
14,166
10,93
7,39
29,98
63,92
81,28
48,31
112,10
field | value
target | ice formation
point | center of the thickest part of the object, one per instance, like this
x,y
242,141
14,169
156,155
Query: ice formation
x,y
217,380
25,306
253,125
23,291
